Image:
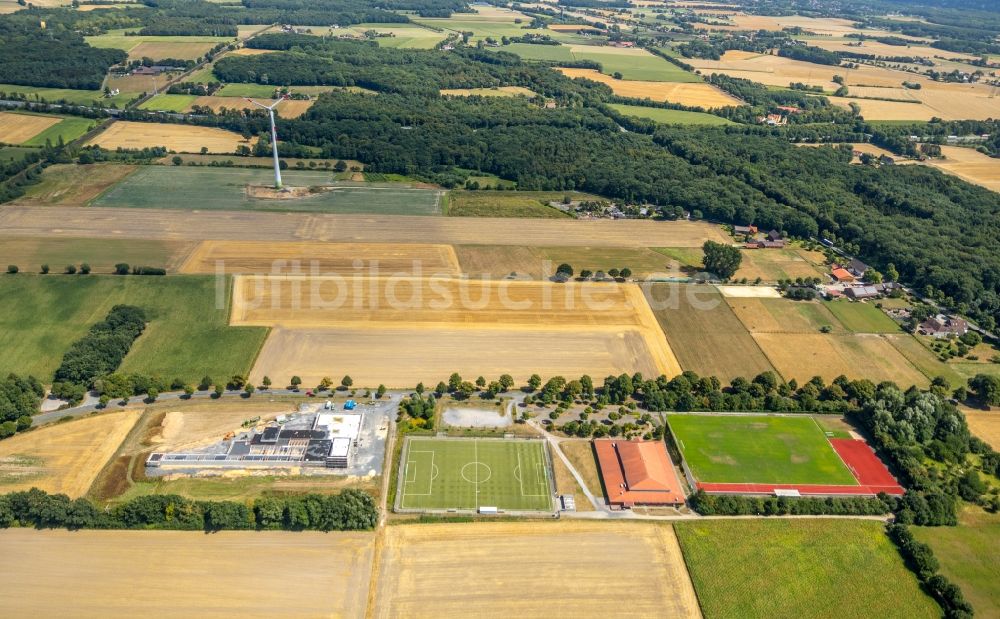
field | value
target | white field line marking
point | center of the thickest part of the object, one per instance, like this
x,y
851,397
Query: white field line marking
x,y
430,475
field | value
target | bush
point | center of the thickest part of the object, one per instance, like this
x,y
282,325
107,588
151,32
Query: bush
x,y
85,269
148,271
12,269
45,269
121,268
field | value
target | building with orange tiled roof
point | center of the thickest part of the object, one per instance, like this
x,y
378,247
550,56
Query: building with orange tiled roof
x,y
638,473
842,275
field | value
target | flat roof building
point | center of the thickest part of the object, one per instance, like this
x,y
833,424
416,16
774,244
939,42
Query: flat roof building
x,y
638,473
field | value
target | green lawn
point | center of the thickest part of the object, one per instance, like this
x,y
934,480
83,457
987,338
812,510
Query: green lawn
x,y
195,187
646,67
758,449
14,153
168,103
470,473
968,556
505,204
69,128
672,117
187,336
770,569
76,97
263,91
862,317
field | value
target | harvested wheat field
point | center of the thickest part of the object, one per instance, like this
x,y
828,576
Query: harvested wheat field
x,y
281,257
984,424
312,302
19,128
402,356
184,574
290,108
150,223
180,138
543,569
388,330
249,51
64,457
827,26
802,356
969,165
696,94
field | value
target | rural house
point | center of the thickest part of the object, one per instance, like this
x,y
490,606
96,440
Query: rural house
x,y
745,230
944,326
842,275
857,268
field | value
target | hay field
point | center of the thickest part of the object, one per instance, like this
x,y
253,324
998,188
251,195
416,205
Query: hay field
x,y
181,50
63,458
184,574
250,51
153,223
500,91
970,165
263,257
671,117
542,569
401,356
827,26
770,265
540,262
984,424
691,94
803,355
180,138
19,128
704,333
67,184
290,108
761,315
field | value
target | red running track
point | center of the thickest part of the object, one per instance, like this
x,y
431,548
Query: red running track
x,y
863,463
872,475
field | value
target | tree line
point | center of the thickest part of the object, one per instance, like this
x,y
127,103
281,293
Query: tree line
x,y
350,510
99,352
19,400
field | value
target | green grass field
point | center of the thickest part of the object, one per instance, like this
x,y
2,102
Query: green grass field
x,y
504,204
263,91
194,187
471,473
645,67
14,153
746,569
862,317
758,449
117,39
967,554
528,51
410,36
671,117
187,337
76,97
69,129
168,103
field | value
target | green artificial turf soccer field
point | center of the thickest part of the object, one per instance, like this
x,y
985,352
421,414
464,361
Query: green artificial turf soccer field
x,y
758,449
471,473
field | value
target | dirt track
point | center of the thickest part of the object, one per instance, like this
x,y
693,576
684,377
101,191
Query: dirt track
x,y
265,226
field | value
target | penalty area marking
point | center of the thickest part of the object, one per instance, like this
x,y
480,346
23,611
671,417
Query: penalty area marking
x,y
539,477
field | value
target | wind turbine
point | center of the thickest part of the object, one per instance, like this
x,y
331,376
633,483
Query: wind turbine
x,y
274,137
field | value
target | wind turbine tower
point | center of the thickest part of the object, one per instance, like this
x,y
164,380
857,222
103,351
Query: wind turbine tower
x,y
274,138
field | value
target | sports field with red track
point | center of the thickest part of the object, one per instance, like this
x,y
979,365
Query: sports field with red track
x,y
761,454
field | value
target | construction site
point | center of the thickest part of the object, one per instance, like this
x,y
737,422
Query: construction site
x,y
344,439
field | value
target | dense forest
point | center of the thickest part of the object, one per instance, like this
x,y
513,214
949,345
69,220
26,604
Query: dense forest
x,y
51,57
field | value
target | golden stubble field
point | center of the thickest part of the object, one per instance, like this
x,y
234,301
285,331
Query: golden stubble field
x,y
184,574
692,94
291,108
400,331
533,569
264,257
984,424
866,85
180,138
63,457
970,165
262,226
19,128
